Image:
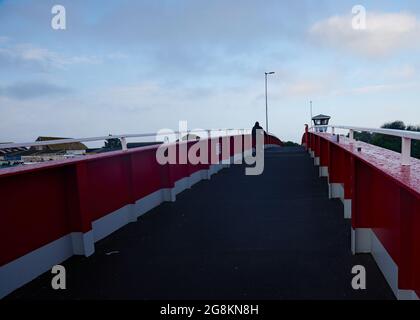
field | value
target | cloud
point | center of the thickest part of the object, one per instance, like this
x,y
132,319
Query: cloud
x,y
380,88
385,33
403,72
305,88
31,90
330,86
39,58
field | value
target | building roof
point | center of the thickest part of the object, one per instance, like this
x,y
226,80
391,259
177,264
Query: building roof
x,y
321,117
62,146
11,150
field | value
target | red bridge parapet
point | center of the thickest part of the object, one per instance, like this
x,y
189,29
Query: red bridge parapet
x,y
53,210
382,198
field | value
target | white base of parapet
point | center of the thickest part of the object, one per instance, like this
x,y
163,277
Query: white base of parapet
x,y
365,241
26,268
311,153
347,208
323,172
83,243
336,191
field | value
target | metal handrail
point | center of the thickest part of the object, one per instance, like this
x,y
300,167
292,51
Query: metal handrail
x,y
121,137
406,137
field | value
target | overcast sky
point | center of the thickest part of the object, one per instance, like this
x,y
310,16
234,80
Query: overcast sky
x,y
140,66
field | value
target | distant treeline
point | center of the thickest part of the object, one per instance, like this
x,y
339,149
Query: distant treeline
x,y
390,142
290,144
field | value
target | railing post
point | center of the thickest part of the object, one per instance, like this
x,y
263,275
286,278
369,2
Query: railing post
x,y
124,143
351,136
406,151
333,130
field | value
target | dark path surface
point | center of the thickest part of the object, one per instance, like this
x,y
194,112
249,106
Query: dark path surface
x,y
275,236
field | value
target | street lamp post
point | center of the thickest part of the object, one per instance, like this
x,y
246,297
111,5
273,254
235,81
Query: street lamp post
x,y
311,113
266,100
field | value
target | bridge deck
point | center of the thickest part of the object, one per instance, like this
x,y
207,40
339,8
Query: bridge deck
x,y
274,236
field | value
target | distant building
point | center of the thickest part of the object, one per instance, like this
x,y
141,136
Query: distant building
x,y
16,156
54,151
114,146
321,122
72,148
9,151
10,156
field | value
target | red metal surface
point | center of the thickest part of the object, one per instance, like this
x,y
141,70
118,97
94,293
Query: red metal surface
x,y
385,196
43,202
269,139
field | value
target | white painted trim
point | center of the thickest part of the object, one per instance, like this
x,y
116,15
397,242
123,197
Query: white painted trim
x,y
108,224
336,191
182,185
347,208
366,241
26,268
323,172
153,200
390,132
83,243
361,241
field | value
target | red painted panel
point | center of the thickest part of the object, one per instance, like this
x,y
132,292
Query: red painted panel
x,y
409,264
147,174
107,186
33,212
44,202
324,152
335,164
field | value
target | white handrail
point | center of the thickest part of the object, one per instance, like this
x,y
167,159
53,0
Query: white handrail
x,y
406,137
121,137
391,132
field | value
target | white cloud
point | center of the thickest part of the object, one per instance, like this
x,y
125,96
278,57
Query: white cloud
x,y
378,88
29,55
32,89
385,33
403,72
305,88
